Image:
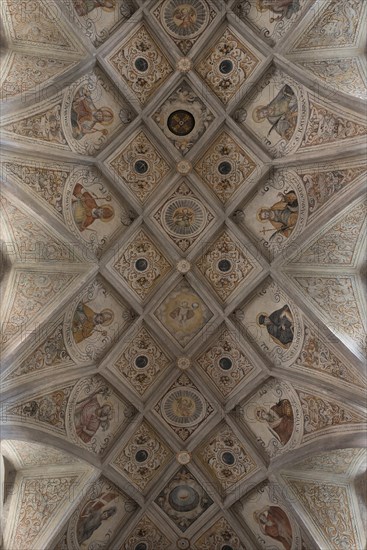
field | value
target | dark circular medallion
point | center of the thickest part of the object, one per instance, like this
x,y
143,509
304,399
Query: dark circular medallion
x,y
141,361
141,455
184,498
226,547
224,168
224,265
143,546
141,166
141,64
226,66
228,458
141,264
225,363
181,122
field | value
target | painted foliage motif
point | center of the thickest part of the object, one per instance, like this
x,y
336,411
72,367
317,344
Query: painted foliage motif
x,y
273,322
336,25
93,321
95,414
269,520
103,510
272,18
277,113
100,18
274,415
278,211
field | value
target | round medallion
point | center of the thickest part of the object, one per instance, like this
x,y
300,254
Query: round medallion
x,y
183,266
183,363
141,455
181,122
184,498
183,407
141,546
228,458
224,266
141,264
141,361
185,18
183,544
182,217
184,167
226,66
183,457
226,547
224,168
141,166
225,363
184,64
141,64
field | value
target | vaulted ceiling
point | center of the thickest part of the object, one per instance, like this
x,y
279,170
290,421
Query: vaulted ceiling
x,y
183,232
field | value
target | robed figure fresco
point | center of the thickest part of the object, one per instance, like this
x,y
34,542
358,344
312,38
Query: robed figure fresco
x,y
282,215
86,322
274,523
86,210
281,113
94,513
86,118
279,418
83,7
90,416
280,326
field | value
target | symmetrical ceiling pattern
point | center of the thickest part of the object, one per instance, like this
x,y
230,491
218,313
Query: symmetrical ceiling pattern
x,y
183,231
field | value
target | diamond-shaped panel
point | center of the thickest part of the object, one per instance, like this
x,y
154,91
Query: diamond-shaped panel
x,y
224,457
225,166
183,313
183,217
183,499
227,65
220,535
141,64
226,265
142,457
183,118
183,408
141,362
225,363
184,21
140,166
146,535
141,265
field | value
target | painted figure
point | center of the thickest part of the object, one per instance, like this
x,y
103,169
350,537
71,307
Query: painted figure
x,y
86,209
83,7
90,415
274,523
281,113
184,312
283,215
90,520
279,419
281,8
184,16
183,217
86,322
85,116
279,325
